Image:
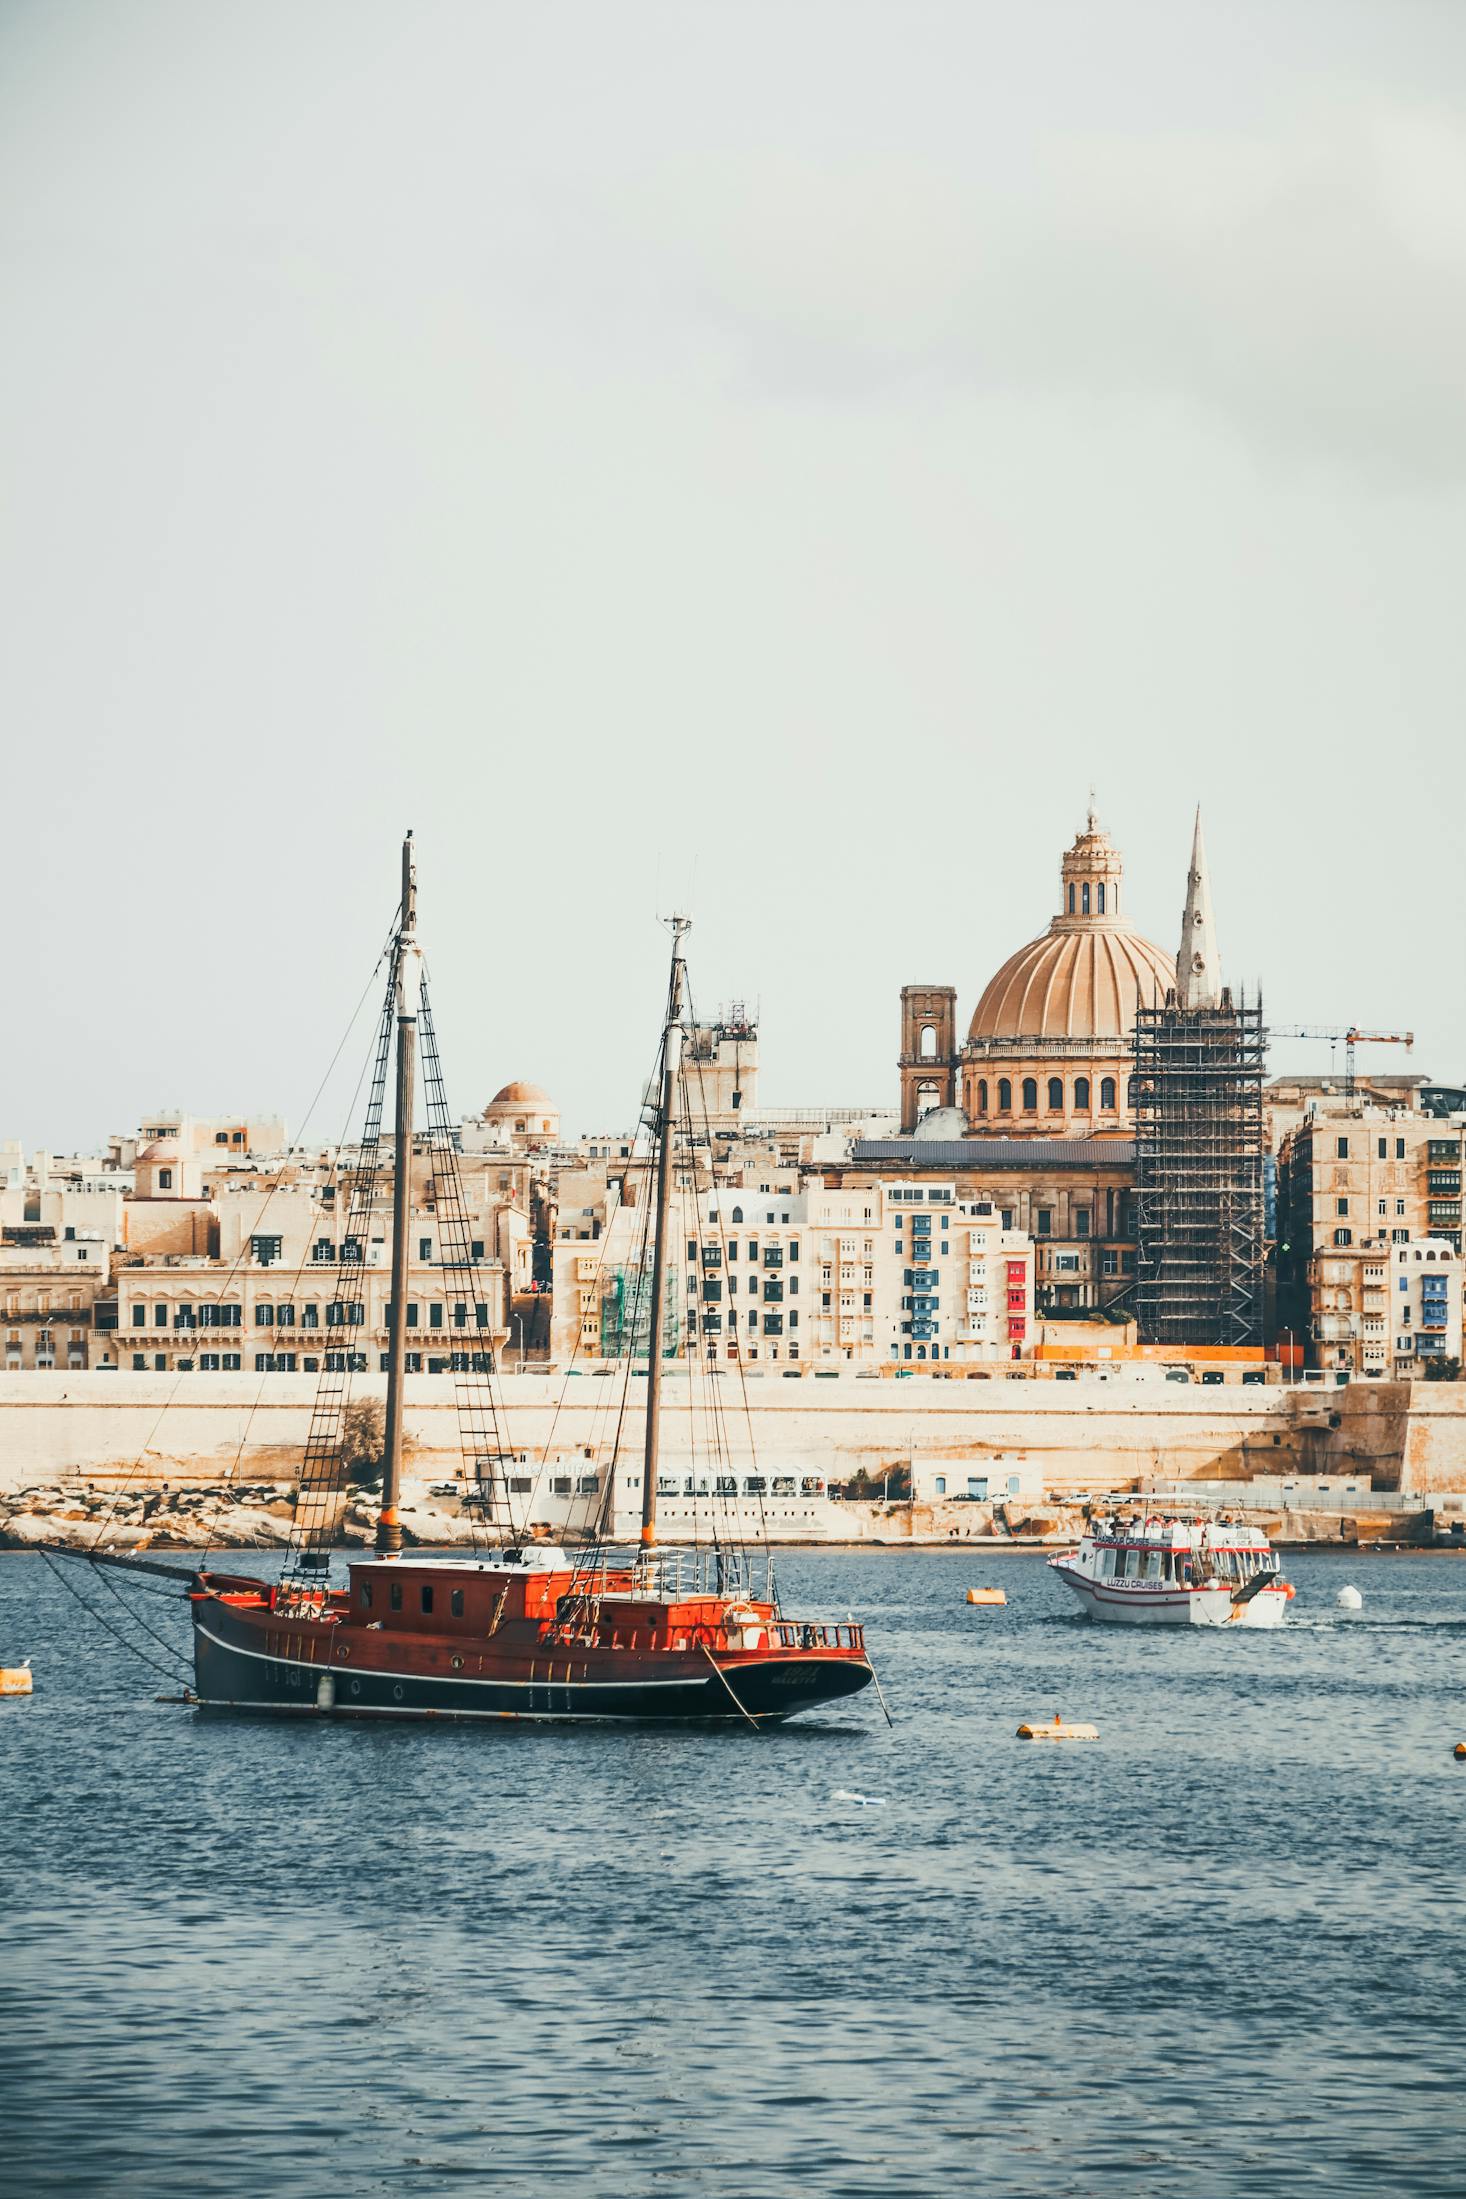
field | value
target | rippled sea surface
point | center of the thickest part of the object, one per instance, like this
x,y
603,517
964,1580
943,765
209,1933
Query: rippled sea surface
x,y
1218,1950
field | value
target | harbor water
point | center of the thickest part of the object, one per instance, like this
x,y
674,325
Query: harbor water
x,y
1216,1950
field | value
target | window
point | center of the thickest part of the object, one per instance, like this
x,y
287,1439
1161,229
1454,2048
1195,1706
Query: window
x,y
1343,1236
1099,898
737,1216
982,1095
940,1484
1081,1092
1384,1149
1045,1221
1342,1145
1084,899
1005,1095
139,1317
1056,1095
1082,1222
427,1595
1030,1095
265,1249
1399,1206
323,1251
310,1317
1399,1149
264,1317
1341,1206
928,1047
394,1595
165,1179
1107,1092
425,1248
455,1603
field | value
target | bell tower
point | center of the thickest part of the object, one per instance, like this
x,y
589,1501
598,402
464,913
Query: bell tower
x,y
928,1050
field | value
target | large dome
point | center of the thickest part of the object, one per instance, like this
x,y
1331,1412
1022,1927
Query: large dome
x,y
1090,971
1075,984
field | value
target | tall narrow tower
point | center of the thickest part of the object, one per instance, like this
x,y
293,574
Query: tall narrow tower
x,y
1198,1146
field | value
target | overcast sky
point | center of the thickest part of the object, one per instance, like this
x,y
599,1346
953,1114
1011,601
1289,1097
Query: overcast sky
x,y
773,457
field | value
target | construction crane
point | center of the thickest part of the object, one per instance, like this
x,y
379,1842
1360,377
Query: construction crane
x,y
1351,1038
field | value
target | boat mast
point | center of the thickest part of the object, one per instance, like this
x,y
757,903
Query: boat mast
x,y
666,1126
409,976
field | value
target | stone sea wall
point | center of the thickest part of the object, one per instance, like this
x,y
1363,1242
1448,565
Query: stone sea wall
x,y
1085,1434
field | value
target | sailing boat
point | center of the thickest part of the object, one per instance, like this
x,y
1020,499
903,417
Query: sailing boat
x,y
522,1629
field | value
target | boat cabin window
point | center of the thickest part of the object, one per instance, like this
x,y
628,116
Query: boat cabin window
x,y
455,1603
394,1595
366,1595
1122,1561
427,1595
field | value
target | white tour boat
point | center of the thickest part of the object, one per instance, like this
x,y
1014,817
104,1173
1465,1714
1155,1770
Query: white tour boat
x,y
1157,1570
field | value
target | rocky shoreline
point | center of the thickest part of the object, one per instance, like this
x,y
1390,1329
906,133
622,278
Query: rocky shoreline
x,y
232,1516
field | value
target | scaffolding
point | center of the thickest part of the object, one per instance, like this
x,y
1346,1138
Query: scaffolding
x,y
1200,1243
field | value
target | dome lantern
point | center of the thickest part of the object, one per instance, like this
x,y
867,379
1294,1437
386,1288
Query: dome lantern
x,y
1089,876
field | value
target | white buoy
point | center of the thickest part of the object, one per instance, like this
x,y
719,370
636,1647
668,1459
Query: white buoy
x,y
1349,1599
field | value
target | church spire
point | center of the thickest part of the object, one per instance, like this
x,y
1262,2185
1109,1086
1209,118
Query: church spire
x,y
1198,965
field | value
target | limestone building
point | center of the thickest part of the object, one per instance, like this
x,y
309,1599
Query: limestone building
x,y
1357,1184
792,1273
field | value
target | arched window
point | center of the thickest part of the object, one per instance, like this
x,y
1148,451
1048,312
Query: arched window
x,y
1081,1093
1071,900
1030,1095
1005,1095
1056,1095
737,1214
982,1095
1100,899
1107,1092
928,1042
1084,899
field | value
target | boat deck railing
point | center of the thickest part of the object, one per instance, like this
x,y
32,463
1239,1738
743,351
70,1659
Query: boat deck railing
x,y
810,1634
671,1574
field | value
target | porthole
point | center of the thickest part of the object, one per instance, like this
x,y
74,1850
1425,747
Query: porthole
x,y
356,1687
293,1676
343,1650
397,1692
457,1664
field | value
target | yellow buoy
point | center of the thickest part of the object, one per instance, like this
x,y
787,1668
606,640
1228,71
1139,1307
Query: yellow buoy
x,y
15,1679
987,1595
1460,1751
1058,1731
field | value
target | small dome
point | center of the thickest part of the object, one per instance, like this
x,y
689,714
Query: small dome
x,y
161,1149
520,1095
942,1122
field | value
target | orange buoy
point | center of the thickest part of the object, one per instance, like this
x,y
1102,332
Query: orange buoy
x,y
15,1679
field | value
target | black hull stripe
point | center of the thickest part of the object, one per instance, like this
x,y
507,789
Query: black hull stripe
x,y
229,1677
